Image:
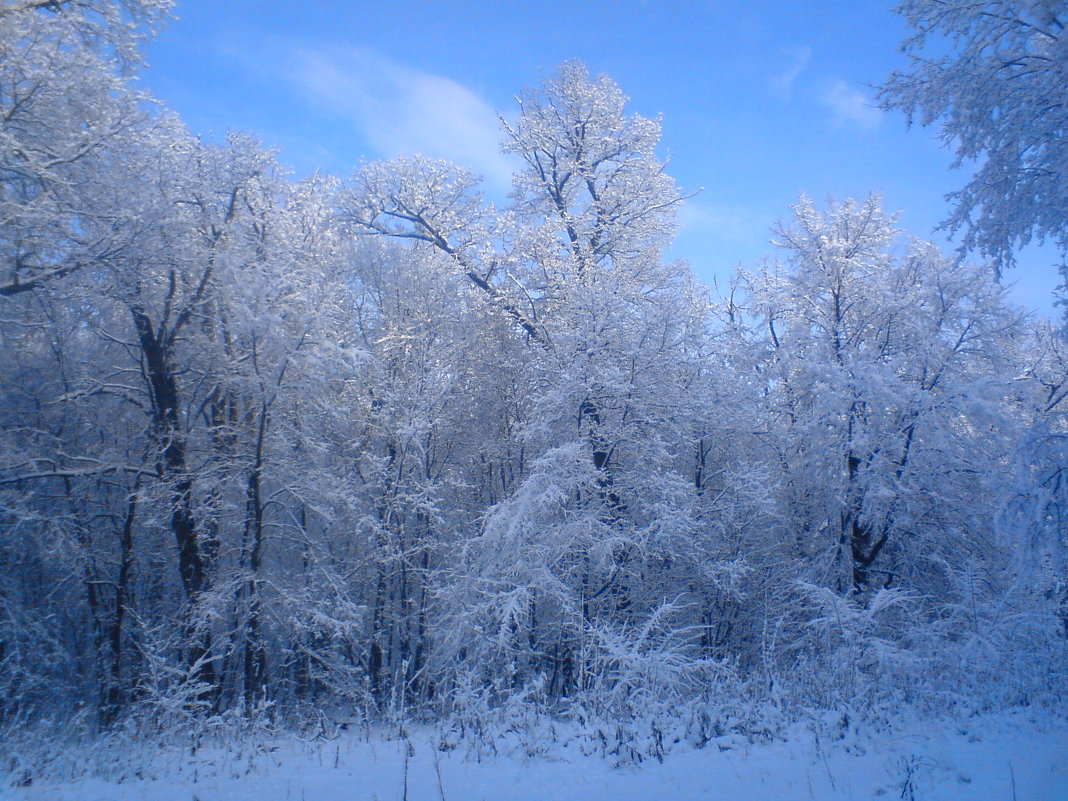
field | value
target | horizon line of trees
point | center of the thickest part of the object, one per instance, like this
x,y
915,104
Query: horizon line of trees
x,y
272,447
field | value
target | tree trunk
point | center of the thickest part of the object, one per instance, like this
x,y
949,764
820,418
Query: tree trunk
x,y
193,556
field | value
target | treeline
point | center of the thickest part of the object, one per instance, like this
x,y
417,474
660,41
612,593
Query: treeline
x,y
276,448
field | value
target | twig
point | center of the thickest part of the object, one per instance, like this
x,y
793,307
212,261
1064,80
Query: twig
x,y
437,770
407,754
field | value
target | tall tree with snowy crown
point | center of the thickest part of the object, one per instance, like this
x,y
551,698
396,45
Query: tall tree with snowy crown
x,y
885,376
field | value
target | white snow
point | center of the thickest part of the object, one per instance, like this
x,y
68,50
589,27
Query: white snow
x,y
1007,757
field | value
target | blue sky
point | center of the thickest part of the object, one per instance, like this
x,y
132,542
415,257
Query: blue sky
x,y
761,100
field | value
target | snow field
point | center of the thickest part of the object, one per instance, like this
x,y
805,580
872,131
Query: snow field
x,y
1014,757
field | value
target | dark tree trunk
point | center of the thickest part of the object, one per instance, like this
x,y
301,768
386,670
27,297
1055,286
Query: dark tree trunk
x,y
255,657
193,556
116,689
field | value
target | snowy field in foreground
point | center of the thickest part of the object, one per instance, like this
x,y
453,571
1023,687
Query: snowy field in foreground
x,y
1019,757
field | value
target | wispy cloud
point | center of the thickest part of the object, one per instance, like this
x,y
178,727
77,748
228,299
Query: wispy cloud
x,y
851,107
782,83
398,109
722,221
716,237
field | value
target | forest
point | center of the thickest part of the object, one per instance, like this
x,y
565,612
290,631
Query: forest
x,y
295,453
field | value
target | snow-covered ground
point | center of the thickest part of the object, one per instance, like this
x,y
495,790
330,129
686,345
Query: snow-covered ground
x,y
1018,757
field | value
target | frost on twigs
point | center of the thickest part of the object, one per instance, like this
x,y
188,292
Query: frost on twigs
x,y
992,74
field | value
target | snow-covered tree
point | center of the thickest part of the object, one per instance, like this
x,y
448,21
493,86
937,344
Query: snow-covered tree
x,y
992,74
887,406
276,447
886,372
575,265
66,111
